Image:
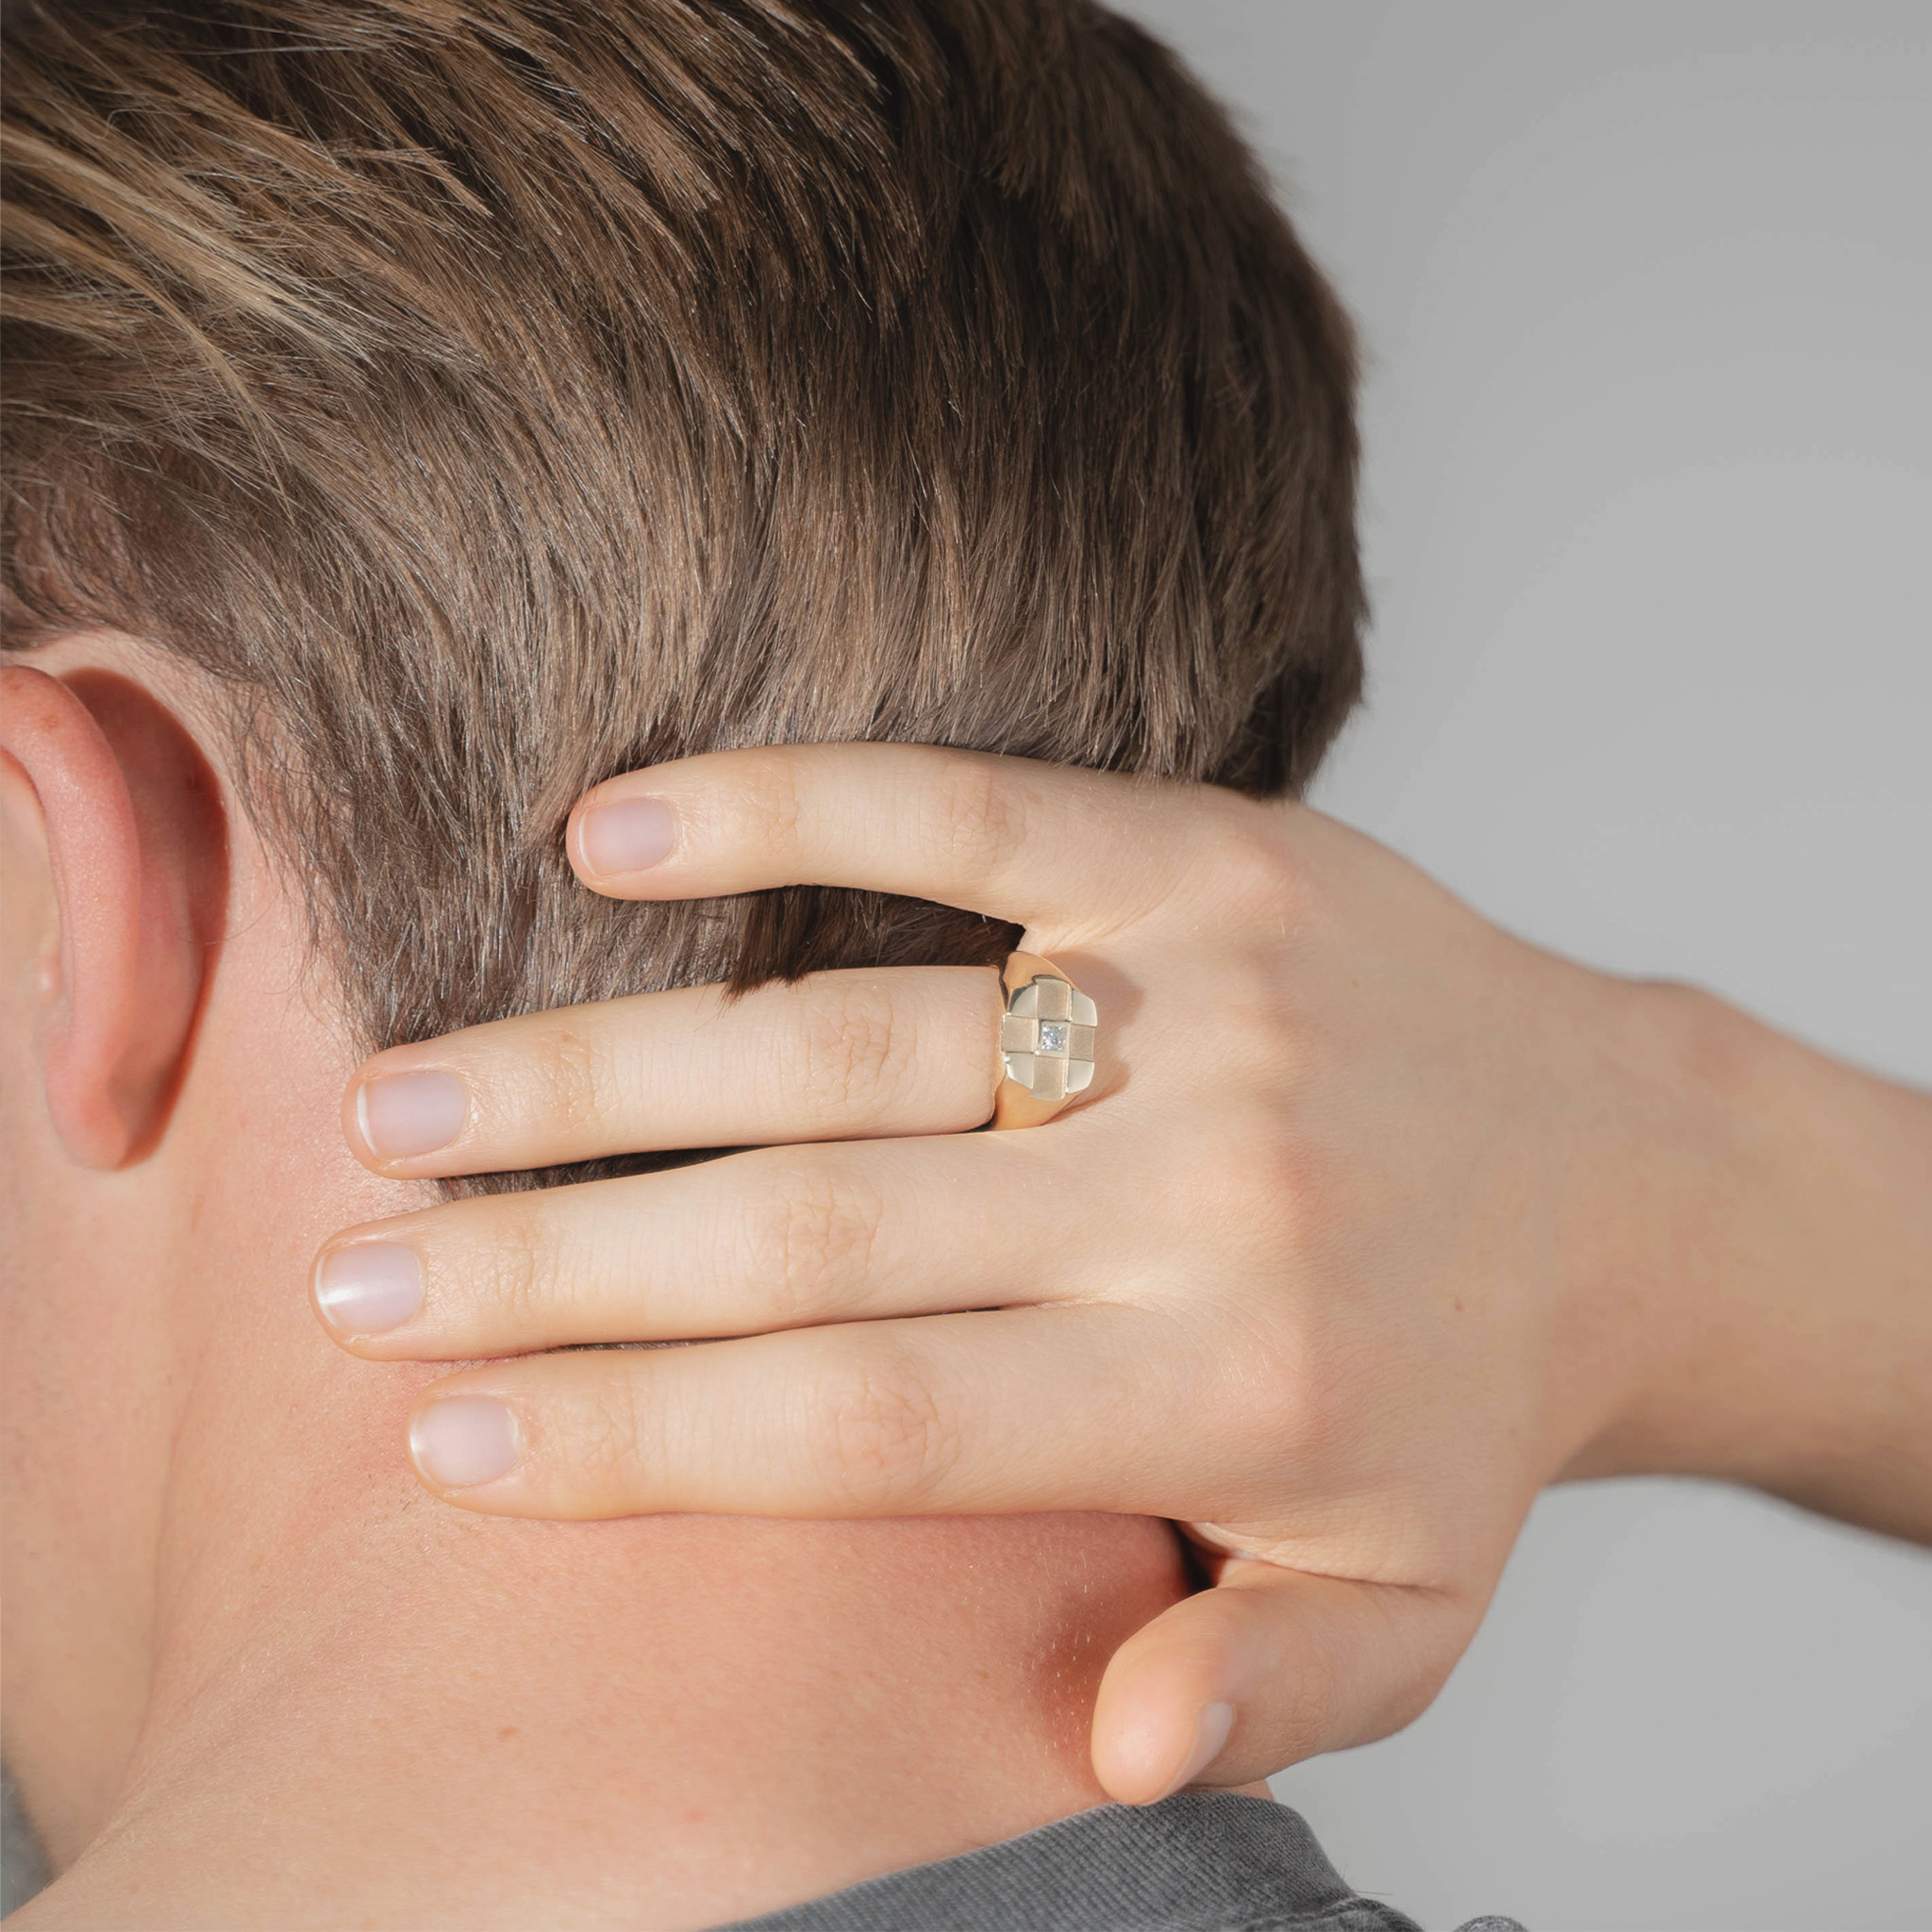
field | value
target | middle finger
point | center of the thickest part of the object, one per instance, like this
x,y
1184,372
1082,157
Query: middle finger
x,y
770,1238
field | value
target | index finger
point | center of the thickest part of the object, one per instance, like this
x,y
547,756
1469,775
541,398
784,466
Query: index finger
x,y
1036,844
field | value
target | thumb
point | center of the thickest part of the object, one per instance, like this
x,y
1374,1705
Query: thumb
x,y
1268,1666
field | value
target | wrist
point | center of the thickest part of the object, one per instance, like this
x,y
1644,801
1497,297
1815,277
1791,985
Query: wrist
x,y
1772,1268
1660,1077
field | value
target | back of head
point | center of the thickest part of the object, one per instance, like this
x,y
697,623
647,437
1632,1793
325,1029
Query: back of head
x,y
490,399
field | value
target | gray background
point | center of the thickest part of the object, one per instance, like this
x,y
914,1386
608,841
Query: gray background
x,y
1647,295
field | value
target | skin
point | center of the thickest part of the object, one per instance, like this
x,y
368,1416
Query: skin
x,y
255,1675
1374,1221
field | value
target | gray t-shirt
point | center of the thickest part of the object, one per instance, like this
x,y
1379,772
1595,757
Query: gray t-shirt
x,y
1200,1861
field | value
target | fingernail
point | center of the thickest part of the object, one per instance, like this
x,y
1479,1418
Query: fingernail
x,y
1210,1734
405,1114
369,1287
464,1440
629,835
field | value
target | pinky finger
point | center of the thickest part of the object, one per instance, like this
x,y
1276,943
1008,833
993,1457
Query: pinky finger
x,y
981,1412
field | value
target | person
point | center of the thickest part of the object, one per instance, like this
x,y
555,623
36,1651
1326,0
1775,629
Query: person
x,y
414,415
1438,1221
1344,1000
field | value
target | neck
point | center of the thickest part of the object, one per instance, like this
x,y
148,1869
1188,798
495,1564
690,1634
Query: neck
x,y
466,1723
345,1704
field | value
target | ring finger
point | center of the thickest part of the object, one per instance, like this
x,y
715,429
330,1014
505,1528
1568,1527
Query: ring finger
x,y
907,1050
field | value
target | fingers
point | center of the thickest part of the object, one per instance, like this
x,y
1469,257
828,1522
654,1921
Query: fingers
x,y
837,1055
776,1237
1016,1410
1080,852
1269,1667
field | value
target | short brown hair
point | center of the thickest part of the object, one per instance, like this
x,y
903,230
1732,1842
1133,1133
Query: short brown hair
x,y
493,398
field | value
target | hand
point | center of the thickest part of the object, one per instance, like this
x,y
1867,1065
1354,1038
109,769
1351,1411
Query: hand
x,y
1372,1223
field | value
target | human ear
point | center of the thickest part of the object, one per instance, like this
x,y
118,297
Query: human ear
x,y
116,842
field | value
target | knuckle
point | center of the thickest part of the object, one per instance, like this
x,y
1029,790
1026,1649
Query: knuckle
x,y
1255,872
569,1082
1286,1182
853,1055
1424,1635
976,817
1261,1391
1257,1181
508,1265
1306,1722
608,1449
775,801
1256,1000
885,1441
811,1246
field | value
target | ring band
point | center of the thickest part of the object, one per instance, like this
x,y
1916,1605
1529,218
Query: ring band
x,y
1046,1042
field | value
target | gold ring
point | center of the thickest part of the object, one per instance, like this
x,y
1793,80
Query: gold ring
x,y
1046,1042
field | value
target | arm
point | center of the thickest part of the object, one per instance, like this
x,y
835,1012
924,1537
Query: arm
x,y
1374,1221
1790,1244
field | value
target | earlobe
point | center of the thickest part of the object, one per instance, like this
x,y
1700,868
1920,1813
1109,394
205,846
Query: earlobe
x,y
131,846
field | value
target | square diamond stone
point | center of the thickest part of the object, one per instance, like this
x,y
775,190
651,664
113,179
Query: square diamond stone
x,y
1053,1036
